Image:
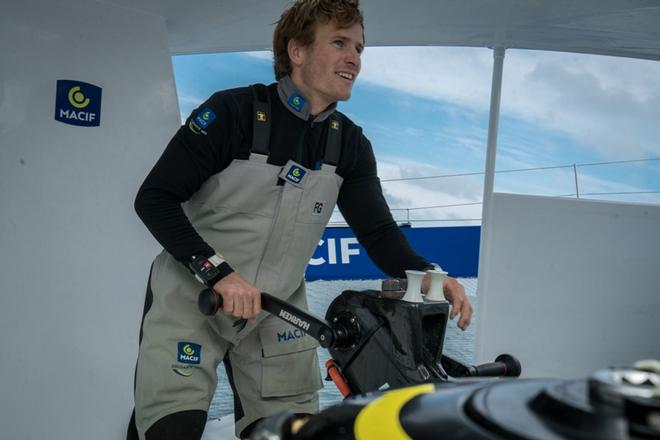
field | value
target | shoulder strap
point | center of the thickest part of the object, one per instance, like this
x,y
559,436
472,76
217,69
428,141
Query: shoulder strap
x,y
260,119
333,142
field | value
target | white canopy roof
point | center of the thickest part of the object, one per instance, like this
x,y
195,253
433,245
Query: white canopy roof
x,y
629,28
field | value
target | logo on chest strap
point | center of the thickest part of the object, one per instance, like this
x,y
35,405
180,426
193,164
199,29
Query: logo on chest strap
x,y
295,174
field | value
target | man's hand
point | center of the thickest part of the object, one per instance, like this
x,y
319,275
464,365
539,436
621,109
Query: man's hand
x,y
240,298
455,294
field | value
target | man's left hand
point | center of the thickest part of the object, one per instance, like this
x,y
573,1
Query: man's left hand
x,y
455,294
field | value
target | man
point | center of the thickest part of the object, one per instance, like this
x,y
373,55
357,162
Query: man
x,y
258,171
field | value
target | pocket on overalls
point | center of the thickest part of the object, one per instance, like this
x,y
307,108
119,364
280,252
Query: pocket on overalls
x,y
318,200
289,361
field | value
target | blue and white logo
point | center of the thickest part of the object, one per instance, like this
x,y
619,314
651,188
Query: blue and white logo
x,y
205,117
296,101
189,353
289,335
78,103
295,174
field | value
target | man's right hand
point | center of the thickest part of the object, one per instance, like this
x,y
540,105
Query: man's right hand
x,y
240,298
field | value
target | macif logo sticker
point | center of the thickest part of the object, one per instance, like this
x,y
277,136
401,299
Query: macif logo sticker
x,y
78,103
295,174
205,117
189,353
296,101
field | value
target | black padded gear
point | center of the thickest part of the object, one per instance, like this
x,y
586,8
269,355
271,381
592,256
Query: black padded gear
x,y
183,425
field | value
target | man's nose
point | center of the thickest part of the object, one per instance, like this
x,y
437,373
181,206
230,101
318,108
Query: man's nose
x,y
353,58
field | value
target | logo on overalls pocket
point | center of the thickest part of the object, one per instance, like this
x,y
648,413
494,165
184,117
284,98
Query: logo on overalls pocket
x,y
189,353
295,174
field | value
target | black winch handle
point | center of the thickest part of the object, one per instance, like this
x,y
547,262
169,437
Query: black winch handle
x,y
504,365
328,336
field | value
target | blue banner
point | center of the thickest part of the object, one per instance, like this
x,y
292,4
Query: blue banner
x,y
339,256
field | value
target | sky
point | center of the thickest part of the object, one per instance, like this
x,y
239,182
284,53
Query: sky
x,y
425,111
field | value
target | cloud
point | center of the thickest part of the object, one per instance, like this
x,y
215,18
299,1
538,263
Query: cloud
x,y
442,192
261,55
433,194
606,104
187,103
414,194
189,100
457,75
561,183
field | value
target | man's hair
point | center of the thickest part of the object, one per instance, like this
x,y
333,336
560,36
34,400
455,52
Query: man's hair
x,y
299,23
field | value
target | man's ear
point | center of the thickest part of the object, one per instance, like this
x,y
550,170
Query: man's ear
x,y
296,52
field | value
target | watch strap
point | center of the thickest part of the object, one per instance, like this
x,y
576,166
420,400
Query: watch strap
x,y
210,270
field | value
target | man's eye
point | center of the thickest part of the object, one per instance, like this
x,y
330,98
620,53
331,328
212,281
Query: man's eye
x,y
338,43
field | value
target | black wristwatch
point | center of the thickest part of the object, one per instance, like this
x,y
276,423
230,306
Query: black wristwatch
x,y
209,271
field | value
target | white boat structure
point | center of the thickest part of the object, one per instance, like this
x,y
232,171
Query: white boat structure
x,y
569,286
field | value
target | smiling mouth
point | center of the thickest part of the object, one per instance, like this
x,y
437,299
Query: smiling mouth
x,y
346,75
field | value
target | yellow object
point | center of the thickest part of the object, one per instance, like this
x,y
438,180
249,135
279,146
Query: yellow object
x,y
380,419
76,98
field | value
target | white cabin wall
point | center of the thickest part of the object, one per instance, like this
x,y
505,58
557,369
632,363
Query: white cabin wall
x,y
571,286
74,257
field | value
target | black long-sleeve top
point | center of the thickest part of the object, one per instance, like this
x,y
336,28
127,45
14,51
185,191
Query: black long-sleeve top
x,y
195,153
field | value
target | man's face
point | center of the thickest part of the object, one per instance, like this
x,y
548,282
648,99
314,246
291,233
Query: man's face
x,y
328,68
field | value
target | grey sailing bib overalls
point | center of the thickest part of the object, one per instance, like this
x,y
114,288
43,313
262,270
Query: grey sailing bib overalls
x,y
266,220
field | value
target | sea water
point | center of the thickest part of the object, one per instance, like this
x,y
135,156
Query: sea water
x,y
458,344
